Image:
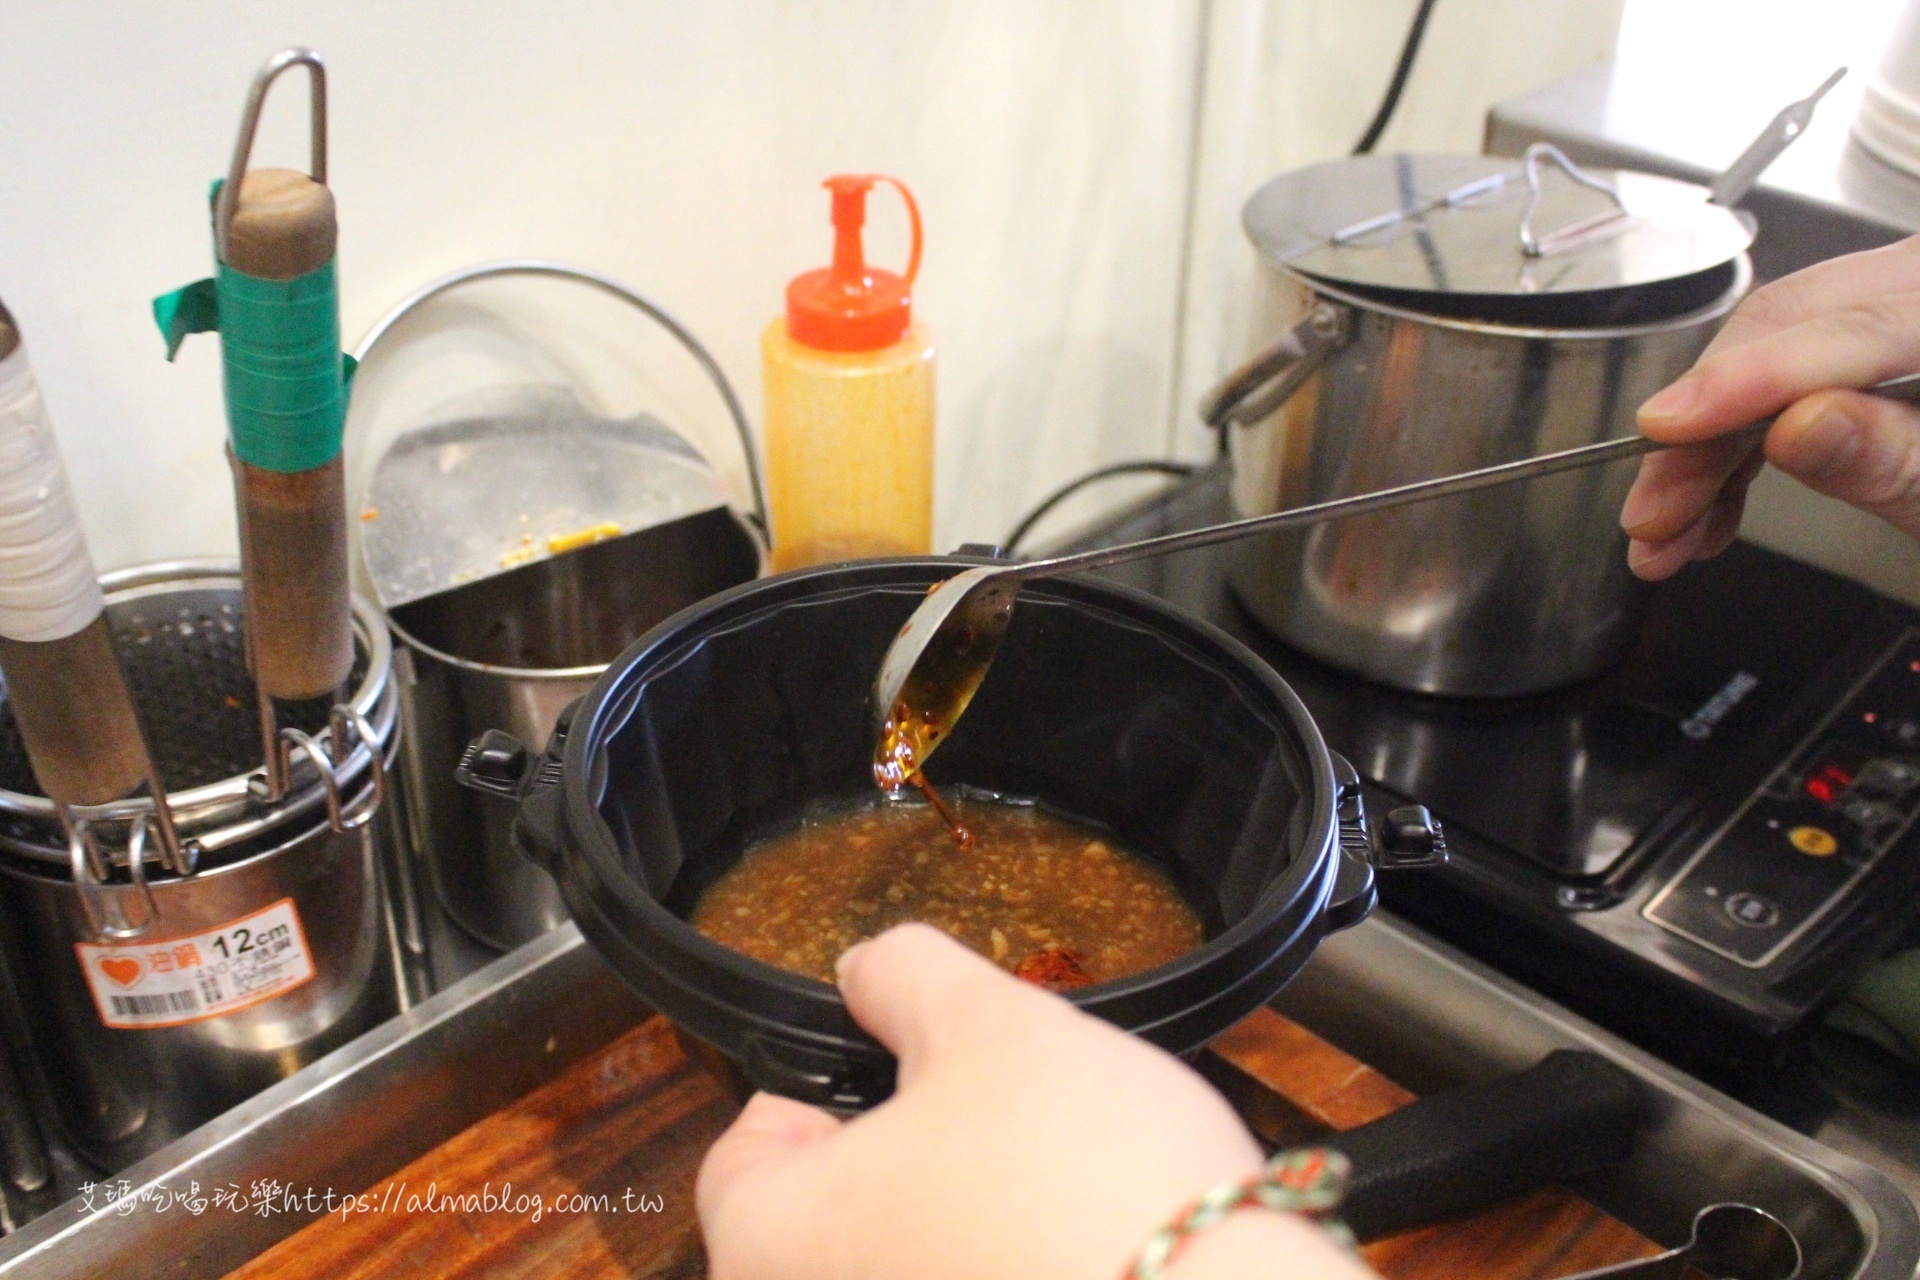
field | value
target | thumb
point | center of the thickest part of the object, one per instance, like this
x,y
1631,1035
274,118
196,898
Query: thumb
x,y
767,1129
1862,449
911,985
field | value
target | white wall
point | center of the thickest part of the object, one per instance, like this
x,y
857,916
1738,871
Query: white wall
x,y
678,147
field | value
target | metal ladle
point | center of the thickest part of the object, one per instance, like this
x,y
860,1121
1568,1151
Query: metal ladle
x,y
1729,1242
937,661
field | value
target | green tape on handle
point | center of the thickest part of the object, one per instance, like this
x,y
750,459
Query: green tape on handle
x,y
192,309
285,380
284,375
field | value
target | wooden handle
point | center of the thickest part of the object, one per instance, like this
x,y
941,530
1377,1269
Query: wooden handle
x,y
70,699
293,525
293,539
283,225
9,333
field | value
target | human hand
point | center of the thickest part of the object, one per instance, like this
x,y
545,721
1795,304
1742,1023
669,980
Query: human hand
x,y
1025,1139
1849,322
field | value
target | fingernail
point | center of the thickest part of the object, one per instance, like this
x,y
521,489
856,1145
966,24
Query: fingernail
x,y
1674,401
1641,506
1640,555
844,965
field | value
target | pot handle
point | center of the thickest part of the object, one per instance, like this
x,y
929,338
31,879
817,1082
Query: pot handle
x,y
499,764
1456,1152
1408,839
1269,379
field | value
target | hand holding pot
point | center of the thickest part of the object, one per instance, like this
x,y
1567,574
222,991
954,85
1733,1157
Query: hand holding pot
x,y
1850,322
1025,1138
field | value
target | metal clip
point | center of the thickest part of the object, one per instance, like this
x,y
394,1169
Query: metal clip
x,y
340,816
91,870
180,857
1573,233
229,197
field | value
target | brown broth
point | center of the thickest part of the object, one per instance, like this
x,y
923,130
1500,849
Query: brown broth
x,y
1030,882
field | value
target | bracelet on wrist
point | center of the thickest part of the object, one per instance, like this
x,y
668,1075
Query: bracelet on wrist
x,y
1307,1181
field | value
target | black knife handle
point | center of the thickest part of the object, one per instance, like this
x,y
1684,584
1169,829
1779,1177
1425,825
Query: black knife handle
x,y
1455,1152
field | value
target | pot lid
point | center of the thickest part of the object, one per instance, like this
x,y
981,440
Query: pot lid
x,y
1486,226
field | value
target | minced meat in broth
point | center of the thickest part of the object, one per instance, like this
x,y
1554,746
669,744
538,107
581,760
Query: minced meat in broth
x,y
1031,888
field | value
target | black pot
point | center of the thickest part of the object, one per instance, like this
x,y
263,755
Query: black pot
x,y
729,719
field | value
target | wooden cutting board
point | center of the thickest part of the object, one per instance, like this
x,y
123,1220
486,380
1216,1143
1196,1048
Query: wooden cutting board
x,y
627,1127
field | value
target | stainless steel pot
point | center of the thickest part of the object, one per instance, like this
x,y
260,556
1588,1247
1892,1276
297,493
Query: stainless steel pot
x,y
156,1001
492,641
1508,591
509,654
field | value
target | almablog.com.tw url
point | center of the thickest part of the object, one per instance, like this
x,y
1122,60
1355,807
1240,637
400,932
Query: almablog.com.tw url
x,y
267,1197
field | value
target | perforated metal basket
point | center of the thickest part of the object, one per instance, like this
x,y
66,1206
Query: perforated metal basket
x,y
177,628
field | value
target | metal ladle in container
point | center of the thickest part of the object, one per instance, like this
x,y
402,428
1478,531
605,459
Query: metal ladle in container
x,y
936,663
1729,1242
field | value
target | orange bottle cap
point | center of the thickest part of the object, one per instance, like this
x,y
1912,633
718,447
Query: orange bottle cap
x,y
851,306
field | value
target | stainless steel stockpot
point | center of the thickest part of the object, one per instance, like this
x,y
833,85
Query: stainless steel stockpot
x,y
1508,591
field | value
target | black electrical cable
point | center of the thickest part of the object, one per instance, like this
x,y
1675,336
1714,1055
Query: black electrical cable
x,y
1179,469
1408,51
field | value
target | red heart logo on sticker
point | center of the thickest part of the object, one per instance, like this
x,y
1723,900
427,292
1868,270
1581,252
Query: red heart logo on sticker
x,y
125,972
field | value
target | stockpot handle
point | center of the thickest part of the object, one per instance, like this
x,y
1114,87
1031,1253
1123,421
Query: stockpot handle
x,y
653,310
1269,379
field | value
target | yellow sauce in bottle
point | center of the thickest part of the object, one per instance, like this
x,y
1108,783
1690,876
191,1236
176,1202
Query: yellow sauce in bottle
x,y
849,440
848,377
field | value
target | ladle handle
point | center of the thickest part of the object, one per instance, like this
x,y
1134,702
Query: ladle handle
x,y
1457,1152
1905,389
1732,186
273,227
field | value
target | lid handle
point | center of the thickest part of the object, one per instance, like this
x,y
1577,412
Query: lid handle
x,y
1575,232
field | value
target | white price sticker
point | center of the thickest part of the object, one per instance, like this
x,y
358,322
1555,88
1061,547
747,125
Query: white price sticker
x,y
167,982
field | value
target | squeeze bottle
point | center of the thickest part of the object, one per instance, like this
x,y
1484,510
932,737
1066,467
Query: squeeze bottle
x,y
848,375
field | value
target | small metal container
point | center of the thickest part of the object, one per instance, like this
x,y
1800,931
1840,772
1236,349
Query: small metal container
x,y
156,1001
500,622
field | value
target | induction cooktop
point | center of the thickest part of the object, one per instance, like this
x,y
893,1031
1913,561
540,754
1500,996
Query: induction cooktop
x,y
1700,847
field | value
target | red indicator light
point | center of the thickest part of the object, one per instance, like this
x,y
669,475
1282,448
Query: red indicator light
x,y
1914,665
1827,782
1870,717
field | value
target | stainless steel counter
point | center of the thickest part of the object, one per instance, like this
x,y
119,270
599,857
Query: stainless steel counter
x,y
1383,991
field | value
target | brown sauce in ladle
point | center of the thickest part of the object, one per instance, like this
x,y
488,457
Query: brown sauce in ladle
x,y
904,741
928,704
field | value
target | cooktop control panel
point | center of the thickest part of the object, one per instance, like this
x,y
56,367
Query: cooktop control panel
x,y
1817,826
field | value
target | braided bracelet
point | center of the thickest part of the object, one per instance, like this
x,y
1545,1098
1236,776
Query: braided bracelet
x,y
1307,1181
